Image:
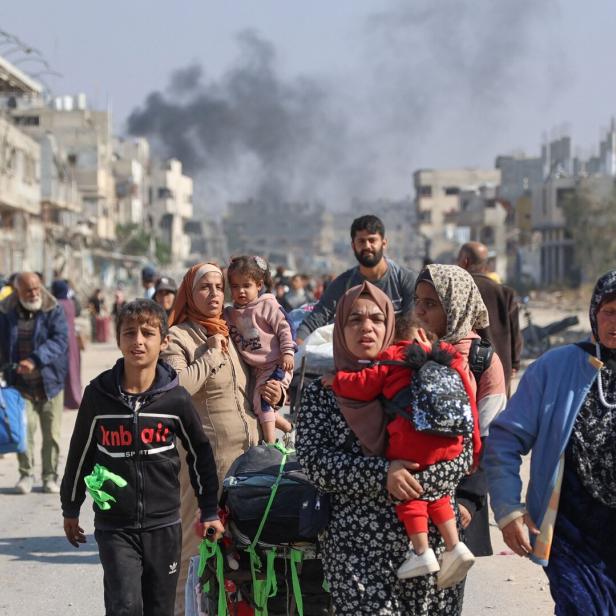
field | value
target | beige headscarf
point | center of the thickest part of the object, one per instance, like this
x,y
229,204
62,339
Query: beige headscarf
x,y
460,299
366,419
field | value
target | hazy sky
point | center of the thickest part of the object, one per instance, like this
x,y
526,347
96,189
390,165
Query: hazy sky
x,y
412,83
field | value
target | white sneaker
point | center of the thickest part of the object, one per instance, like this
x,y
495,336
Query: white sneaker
x,y
455,566
418,564
50,486
24,485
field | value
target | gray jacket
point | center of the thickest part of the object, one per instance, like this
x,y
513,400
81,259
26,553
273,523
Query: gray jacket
x,y
398,283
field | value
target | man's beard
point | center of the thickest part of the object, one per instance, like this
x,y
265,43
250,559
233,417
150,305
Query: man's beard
x,y
34,306
369,260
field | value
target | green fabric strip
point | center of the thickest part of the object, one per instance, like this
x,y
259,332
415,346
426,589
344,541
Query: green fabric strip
x,y
210,549
271,583
296,559
285,452
258,586
263,589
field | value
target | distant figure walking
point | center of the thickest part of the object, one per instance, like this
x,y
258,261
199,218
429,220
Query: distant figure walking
x,y
96,306
72,385
504,328
165,291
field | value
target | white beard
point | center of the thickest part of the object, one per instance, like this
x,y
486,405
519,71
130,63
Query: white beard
x,y
34,306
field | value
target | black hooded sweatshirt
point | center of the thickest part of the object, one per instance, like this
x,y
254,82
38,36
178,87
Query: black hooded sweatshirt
x,y
135,437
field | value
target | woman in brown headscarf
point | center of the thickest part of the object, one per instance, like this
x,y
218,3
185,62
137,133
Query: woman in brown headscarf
x,y
210,368
366,419
365,542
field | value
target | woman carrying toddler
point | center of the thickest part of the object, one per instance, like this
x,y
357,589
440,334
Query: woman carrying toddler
x,y
428,390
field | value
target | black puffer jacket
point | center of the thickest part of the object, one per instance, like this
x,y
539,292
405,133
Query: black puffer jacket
x,y
140,446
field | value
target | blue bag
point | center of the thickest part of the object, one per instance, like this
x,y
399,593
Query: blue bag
x,y
13,424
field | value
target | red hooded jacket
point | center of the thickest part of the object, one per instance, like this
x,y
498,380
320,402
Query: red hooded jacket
x,y
406,443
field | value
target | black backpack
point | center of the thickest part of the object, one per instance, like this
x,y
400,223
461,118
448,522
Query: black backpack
x,y
480,357
298,510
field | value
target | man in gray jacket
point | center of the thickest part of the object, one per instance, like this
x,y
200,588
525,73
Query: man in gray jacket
x,y
368,242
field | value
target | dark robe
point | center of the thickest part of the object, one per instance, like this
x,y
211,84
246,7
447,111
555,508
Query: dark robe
x,y
582,566
504,329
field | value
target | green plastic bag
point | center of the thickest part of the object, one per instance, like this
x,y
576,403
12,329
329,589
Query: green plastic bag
x,y
94,483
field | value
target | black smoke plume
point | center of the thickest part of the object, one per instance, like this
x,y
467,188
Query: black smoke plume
x,y
435,84
250,131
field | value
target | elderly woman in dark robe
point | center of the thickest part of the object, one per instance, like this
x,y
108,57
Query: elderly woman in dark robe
x,y
72,386
564,413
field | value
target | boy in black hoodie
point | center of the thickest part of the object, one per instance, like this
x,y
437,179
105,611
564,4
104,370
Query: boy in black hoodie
x,y
128,423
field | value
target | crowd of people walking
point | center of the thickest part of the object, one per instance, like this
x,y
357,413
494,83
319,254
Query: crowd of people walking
x,y
412,434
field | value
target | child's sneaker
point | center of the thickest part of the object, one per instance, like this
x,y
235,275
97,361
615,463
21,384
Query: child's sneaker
x,y
455,566
416,565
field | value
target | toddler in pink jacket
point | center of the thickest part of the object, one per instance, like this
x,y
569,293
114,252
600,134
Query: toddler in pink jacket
x,y
262,334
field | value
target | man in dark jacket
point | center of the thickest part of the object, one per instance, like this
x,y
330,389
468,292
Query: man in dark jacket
x,y
33,335
368,242
504,329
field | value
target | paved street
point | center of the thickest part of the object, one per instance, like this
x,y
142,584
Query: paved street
x,y
42,574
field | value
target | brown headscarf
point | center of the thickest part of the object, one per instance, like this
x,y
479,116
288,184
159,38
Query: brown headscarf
x,y
366,419
184,307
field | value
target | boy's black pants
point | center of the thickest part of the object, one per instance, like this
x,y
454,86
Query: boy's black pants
x,y
140,570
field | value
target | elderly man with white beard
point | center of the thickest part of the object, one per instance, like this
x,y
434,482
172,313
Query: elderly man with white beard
x,y
33,336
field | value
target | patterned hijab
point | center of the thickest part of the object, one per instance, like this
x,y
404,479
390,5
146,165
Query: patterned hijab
x,y
184,307
366,419
606,285
460,299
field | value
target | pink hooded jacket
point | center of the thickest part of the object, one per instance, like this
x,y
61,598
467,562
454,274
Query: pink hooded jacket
x,y
260,331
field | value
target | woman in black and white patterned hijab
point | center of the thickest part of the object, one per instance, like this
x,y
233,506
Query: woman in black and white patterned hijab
x,y
604,293
564,412
448,303
459,298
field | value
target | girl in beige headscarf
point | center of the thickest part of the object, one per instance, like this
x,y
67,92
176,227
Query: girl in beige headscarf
x,y
448,303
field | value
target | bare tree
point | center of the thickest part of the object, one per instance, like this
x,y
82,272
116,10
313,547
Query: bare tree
x,y
591,219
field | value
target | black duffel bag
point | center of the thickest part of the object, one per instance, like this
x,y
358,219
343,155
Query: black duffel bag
x,y
271,474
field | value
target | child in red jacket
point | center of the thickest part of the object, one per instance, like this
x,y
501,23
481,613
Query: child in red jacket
x,y
431,394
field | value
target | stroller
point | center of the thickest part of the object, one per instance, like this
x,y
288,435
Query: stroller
x,y
267,562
